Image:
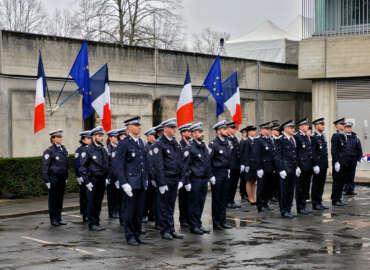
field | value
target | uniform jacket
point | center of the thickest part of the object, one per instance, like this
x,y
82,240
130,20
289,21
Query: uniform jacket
x,y
235,152
252,153
94,163
304,151
266,145
77,159
55,163
220,154
352,148
197,161
319,150
112,153
286,155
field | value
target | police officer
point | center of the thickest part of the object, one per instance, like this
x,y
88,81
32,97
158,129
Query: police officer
x,y
275,135
122,133
220,155
132,172
55,174
168,164
265,183
112,184
94,171
183,194
287,165
352,155
305,163
243,184
320,164
338,141
198,172
84,143
234,165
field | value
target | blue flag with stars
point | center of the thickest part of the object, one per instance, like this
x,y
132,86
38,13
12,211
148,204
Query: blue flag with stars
x,y
80,74
213,83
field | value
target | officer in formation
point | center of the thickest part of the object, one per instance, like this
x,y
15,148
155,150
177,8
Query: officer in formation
x,y
275,135
243,183
55,175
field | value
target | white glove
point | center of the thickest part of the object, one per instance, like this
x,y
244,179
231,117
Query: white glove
x,y
188,187
107,182
180,185
364,159
213,180
228,173
90,186
116,184
153,183
48,185
316,169
260,173
127,189
66,181
337,166
298,172
242,168
283,174
247,169
80,180
162,189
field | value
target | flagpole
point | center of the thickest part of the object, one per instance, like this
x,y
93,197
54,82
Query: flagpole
x,y
197,95
202,100
65,100
61,91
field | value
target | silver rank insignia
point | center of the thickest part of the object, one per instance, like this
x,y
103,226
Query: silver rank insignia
x,y
94,157
168,151
113,154
76,155
46,156
221,152
186,153
150,152
133,154
57,158
83,154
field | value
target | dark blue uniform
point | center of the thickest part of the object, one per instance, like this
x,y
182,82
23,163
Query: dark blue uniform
x,y
95,170
131,168
286,160
83,193
320,159
276,176
220,156
234,168
150,202
168,164
55,171
243,183
198,172
114,195
337,152
352,154
304,155
183,197
251,158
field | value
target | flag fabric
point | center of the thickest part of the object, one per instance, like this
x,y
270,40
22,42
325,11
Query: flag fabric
x,y
213,83
80,74
231,97
41,88
100,96
185,113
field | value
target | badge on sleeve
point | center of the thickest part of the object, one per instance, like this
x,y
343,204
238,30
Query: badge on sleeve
x,y
76,155
83,154
186,153
156,150
46,156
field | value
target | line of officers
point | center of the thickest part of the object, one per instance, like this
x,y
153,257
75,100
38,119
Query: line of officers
x,y
143,180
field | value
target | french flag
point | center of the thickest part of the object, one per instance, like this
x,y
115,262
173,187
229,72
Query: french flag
x,y
231,97
100,96
185,113
41,89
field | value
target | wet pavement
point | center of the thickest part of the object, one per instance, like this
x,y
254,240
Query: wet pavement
x,y
338,238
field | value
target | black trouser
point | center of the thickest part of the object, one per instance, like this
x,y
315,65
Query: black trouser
x,y
56,194
113,198
264,190
337,188
183,206
233,185
134,213
167,203
219,197
275,185
302,188
243,185
349,172
149,208
83,200
287,186
123,207
318,184
95,199
196,200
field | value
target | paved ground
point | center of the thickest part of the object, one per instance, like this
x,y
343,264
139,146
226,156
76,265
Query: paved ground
x,y
335,239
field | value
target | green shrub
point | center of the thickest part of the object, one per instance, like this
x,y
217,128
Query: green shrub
x,y
22,177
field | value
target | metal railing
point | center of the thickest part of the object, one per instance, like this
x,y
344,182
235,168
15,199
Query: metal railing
x,y
335,17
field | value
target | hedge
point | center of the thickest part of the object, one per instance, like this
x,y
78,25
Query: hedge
x,y
22,177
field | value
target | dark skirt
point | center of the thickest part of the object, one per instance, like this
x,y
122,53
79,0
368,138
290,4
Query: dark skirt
x,y
251,176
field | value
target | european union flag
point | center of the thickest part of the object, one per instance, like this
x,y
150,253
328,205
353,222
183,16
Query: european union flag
x,y
213,83
80,74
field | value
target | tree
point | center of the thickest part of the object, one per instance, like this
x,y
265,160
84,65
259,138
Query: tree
x,y
23,15
62,24
208,41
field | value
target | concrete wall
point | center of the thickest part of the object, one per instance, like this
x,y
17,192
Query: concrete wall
x,y
143,80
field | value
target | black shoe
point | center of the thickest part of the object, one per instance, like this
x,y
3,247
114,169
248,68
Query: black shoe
x,y
85,219
184,224
226,226
350,193
237,205
167,236
197,231
244,198
303,211
268,208
339,203
205,230
96,228
132,241
230,206
217,228
143,231
318,207
122,224
61,222
54,223
144,220
115,215
260,209
293,214
253,203
287,215
141,241
177,235
324,207
156,227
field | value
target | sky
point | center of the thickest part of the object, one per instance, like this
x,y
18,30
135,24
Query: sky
x,y
236,17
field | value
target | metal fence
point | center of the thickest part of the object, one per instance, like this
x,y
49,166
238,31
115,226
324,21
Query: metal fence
x,y
335,17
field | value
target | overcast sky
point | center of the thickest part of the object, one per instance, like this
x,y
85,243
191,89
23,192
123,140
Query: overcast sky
x,y
236,17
